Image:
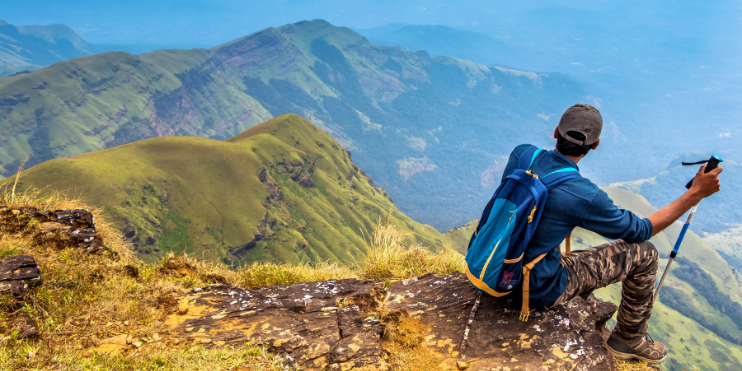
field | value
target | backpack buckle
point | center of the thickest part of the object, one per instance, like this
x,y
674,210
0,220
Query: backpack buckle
x,y
531,174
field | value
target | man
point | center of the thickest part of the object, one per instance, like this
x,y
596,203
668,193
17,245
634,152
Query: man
x,y
630,258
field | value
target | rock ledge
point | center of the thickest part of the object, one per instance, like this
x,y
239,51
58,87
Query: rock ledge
x,y
352,324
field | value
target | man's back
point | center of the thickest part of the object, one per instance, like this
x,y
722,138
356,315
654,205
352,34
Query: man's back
x,y
575,203
631,259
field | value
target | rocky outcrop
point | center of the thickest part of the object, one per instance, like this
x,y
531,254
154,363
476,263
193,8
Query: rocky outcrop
x,y
355,324
80,225
17,274
566,337
318,325
274,191
299,172
61,228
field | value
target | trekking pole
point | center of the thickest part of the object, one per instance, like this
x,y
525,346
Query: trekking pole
x,y
713,163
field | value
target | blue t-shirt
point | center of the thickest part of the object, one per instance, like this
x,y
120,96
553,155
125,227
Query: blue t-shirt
x,y
575,203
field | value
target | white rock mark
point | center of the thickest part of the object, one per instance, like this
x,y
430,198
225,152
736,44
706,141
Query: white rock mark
x,y
568,345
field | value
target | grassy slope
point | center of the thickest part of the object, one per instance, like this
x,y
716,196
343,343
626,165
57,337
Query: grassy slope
x,y
204,196
79,105
728,244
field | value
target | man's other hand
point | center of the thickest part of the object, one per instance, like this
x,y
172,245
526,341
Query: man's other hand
x,y
706,184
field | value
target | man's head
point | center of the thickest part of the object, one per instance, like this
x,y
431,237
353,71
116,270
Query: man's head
x,y
579,130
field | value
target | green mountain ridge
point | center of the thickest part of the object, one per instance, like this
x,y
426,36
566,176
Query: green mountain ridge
x,y
411,120
283,190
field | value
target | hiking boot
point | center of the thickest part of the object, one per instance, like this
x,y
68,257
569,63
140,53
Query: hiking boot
x,y
642,349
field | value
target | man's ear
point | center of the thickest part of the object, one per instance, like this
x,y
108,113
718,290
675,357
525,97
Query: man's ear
x,y
556,132
595,145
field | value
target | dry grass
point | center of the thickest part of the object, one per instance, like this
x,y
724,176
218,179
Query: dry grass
x,y
403,341
86,298
390,258
267,274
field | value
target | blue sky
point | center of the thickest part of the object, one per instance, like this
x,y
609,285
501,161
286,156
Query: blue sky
x,y
217,21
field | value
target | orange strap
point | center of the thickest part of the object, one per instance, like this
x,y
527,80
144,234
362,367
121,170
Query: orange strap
x,y
525,311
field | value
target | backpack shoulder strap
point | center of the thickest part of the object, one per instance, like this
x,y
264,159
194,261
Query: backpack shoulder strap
x,y
560,176
526,159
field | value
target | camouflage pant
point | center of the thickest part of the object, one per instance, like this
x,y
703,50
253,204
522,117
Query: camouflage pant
x,y
633,264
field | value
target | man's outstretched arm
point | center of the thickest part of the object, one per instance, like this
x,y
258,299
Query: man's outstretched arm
x,y
703,186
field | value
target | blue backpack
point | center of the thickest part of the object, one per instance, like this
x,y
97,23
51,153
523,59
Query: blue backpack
x,y
494,259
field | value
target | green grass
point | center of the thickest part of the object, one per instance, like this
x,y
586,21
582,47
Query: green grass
x,y
204,197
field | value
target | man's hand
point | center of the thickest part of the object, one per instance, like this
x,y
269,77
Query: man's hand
x,y
706,184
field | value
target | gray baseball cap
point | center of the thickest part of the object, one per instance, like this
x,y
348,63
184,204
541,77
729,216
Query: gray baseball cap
x,y
582,118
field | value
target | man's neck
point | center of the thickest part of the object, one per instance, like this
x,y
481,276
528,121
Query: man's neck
x,y
576,159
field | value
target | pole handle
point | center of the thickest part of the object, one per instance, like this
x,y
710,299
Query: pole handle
x,y
711,164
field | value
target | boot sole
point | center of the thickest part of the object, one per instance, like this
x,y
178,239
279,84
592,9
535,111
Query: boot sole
x,y
633,357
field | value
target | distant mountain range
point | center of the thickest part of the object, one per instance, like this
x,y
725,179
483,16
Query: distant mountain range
x,y
283,191
454,132
32,47
434,131
29,48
